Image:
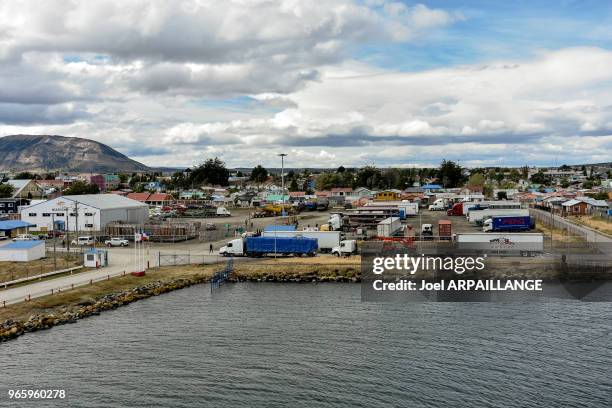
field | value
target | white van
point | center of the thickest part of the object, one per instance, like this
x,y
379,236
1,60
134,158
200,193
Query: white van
x,y
86,240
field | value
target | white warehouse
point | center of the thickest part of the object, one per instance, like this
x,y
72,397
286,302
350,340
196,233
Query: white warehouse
x,y
84,213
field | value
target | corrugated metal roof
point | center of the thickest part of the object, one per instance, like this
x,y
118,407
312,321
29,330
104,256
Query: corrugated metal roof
x,y
278,228
14,224
22,245
100,201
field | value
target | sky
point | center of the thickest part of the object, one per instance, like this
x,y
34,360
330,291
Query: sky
x,y
330,83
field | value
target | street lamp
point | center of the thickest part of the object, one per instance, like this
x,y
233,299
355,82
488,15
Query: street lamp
x,y
282,156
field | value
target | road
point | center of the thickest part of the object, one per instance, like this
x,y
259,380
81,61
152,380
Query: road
x,y
120,260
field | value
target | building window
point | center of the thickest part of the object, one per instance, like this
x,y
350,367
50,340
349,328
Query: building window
x,y
31,214
46,214
89,214
88,225
10,205
73,214
60,214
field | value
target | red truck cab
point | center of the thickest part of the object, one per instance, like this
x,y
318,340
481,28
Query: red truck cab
x,y
456,209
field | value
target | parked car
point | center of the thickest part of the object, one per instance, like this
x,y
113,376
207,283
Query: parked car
x,y
25,237
116,241
210,226
86,240
55,233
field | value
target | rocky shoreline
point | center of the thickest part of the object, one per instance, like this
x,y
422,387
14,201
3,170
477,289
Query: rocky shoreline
x,y
10,329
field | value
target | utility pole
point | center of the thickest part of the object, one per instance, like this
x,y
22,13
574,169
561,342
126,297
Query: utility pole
x,y
282,156
54,242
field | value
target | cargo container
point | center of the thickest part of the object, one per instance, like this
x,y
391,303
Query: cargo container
x,y
504,242
389,227
261,246
445,230
508,224
326,240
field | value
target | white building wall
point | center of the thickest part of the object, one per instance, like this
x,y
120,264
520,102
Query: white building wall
x,y
89,219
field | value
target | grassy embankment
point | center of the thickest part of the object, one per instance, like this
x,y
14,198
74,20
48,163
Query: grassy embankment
x,y
16,270
597,223
558,235
321,268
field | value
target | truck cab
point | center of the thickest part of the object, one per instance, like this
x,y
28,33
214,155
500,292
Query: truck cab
x,y
347,247
223,212
427,232
234,247
437,205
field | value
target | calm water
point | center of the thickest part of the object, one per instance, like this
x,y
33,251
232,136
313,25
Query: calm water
x,y
307,345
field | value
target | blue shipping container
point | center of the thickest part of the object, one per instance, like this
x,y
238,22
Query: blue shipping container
x,y
281,245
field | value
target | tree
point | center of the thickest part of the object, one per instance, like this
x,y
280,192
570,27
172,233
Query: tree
x,y
213,172
259,174
525,172
341,169
502,195
514,175
369,177
81,187
294,185
26,175
540,178
6,190
476,180
450,173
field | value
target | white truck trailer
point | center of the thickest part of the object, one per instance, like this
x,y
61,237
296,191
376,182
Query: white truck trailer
x,y
327,240
408,208
501,241
388,227
479,216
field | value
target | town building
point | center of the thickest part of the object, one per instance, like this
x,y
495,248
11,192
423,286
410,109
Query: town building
x,y
90,212
22,251
11,205
26,188
387,195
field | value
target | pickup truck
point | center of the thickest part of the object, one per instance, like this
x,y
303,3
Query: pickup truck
x,y
25,237
115,241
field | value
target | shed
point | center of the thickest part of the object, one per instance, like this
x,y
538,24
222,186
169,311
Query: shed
x,y
22,251
96,258
10,228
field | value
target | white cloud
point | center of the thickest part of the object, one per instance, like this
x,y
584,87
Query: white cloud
x,y
173,83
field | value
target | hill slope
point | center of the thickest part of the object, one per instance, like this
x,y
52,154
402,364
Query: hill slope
x,y
49,153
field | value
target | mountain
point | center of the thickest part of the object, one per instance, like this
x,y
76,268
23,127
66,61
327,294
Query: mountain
x,y
52,153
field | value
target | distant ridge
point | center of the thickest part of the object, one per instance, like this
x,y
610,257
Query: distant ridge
x,y
39,153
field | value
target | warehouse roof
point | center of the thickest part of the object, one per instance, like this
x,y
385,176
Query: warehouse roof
x,y
99,201
14,224
22,245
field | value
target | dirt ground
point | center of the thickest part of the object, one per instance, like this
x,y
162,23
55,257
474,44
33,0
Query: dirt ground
x,y
17,270
597,223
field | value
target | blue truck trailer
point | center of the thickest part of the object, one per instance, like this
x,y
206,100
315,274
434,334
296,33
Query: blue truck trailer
x,y
508,224
261,246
